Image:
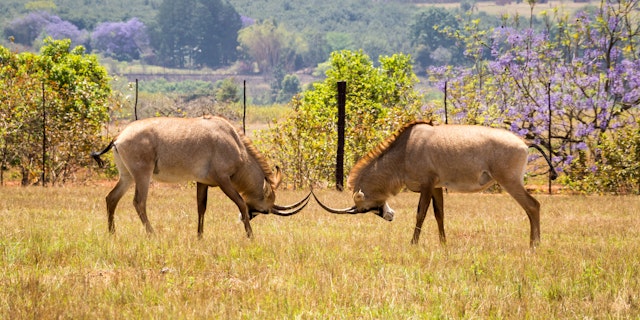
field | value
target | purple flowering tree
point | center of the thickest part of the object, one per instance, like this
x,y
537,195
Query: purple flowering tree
x,y
39,25
579,75
26,29
60,30
124,41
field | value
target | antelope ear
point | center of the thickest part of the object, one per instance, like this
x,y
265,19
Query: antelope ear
x,y
277,177
266,189
358,196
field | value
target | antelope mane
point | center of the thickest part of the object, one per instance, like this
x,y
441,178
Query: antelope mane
x,y
376,152
260,159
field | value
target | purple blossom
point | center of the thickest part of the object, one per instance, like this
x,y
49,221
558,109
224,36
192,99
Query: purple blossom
x,y
595,83
581,146
247,21
34,25
124,41
584,130
26,29
66,30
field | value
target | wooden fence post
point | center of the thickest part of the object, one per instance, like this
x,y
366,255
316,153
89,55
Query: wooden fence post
x,y
244,106
550,153
135,105
446,116
44,138
342,97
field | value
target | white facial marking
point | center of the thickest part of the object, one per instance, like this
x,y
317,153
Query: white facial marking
x,y
388,213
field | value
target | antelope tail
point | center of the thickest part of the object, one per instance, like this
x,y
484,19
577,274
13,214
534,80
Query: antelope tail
x,y
552,171
96,155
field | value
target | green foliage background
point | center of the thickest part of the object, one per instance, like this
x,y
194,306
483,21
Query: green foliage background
x,y
379,101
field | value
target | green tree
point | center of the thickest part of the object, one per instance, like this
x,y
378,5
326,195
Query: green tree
x,y
173,37
63,92
430,44
216,26
379,101
289,87
194,33
272,46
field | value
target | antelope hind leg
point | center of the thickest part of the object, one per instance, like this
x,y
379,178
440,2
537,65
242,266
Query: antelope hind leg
x,y
140,203
531,206
114,197
438,211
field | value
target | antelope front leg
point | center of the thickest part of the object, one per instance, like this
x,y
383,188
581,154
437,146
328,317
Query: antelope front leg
x,y
227,188
423,205
202,191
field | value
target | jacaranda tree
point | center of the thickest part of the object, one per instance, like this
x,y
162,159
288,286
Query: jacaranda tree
x,y
579,75
25,30
123,41
41,24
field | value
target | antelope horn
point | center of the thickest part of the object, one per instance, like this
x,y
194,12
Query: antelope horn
x,y
352,210
295,205
278,212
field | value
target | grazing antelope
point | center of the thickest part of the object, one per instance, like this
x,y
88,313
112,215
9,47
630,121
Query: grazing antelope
x,y
207,150
427,158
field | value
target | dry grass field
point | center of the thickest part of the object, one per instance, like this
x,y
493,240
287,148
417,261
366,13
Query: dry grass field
x,y
523,8
58,261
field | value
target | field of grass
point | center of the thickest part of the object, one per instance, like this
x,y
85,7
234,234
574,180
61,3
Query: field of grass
x,y
523,8
58,261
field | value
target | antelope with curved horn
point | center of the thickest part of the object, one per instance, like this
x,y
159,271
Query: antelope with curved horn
x,y
207,150
427,158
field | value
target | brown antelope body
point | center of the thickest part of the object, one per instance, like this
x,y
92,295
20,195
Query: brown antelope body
x,y
427,158
207,150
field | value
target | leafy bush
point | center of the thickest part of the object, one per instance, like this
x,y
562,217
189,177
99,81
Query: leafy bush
x,y
615,168
73,90
227,91
191,87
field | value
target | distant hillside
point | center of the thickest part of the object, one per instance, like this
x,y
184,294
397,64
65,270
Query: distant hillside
x,y
85,14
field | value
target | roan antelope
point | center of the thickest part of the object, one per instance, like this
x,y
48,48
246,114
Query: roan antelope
x,y
427,158
207,150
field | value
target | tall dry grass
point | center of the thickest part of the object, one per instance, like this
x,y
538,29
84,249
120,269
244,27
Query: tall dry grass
x,y
58,261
